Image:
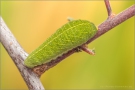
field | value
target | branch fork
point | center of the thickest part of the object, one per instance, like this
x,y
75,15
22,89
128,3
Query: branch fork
x,y
18,55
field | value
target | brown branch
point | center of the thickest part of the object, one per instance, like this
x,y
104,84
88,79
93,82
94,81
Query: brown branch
x,y
113,22
87,50
18,56
108,7
102,28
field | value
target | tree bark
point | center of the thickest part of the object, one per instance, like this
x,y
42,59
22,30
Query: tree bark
x,y
102,28
18,56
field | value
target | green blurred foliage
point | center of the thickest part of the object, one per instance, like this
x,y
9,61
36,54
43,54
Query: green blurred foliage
x,y
32,22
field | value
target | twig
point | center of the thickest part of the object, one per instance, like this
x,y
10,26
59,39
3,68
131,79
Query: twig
x,y
113,22
18,55
102,28
108,7
87,50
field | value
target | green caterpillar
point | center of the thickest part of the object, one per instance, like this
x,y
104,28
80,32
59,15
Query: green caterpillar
x,y
71,35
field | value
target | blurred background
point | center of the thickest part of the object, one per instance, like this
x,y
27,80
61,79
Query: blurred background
x,y
32,22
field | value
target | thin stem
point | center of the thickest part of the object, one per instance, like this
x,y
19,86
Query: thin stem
x,y
87,50
18,56
113,22
102,28
108,7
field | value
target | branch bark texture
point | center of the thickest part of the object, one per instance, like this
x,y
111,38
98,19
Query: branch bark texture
x,y
18,56
113,22
102,28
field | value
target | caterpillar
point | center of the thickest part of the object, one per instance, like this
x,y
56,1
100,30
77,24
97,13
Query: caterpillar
x,y
69,36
